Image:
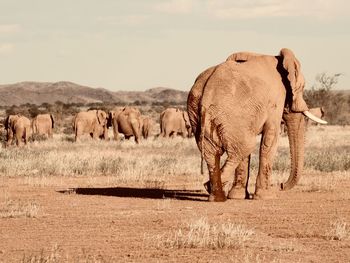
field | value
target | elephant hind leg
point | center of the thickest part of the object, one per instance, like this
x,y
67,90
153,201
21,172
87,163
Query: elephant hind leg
x,y
212,155
217,194
20,137
50,134
239,188
268,148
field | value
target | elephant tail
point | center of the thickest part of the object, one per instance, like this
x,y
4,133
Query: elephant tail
x,y
135,129
201,137
27,133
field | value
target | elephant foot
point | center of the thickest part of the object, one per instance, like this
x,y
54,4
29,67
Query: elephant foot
x,y
237,193
264,194
219,196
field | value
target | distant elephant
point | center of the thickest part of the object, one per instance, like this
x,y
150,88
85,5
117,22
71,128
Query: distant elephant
x,y
173,122
17,126
146,126
127,121
231,103
43,124
92,122
318,112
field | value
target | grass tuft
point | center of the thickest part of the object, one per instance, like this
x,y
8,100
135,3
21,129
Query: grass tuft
x,y
339,230
202,234
15,208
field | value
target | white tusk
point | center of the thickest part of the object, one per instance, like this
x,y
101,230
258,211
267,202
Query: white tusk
x,y
313,117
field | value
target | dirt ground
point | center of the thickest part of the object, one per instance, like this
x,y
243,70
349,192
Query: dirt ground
x,y
75,223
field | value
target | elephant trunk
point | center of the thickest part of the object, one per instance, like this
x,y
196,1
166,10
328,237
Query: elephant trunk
x,y
296,131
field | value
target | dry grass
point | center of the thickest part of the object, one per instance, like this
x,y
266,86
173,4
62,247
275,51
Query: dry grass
x,y
152,163
156,163
338,230
11,208
56,254
201,234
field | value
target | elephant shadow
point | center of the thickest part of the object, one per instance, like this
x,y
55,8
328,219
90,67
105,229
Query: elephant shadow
x,y
147,193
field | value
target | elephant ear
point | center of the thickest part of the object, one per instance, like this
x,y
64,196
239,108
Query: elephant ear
x,y
52,121
295,78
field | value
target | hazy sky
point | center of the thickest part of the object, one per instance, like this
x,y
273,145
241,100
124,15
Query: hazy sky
x,y
139,44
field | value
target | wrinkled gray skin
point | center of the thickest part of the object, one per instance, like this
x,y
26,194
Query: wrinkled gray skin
x,y
18,128
175,122
231,103
92,122
43,124
127,121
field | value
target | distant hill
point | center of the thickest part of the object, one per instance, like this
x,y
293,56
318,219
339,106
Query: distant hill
x,y
68,92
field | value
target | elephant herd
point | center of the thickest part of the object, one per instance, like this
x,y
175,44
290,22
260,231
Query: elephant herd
x,y
123,120
129,122
20,128
228,106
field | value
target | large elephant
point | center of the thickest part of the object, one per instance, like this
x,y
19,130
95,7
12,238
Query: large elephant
x,y
175,121
146,126
92,122
127,121
18,127
231,103
43,124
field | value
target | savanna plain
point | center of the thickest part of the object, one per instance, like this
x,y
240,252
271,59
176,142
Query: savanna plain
x,y
108,201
